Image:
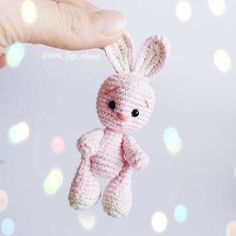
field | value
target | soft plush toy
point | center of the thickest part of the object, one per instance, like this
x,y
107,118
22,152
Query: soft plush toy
x,y
124,104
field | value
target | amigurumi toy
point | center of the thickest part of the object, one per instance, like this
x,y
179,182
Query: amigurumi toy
x,y
124,104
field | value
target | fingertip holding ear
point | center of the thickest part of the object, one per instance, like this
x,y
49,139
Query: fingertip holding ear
x,y
122,54
152,56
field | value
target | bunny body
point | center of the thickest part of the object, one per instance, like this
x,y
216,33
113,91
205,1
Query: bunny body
x,y
124,104
108,161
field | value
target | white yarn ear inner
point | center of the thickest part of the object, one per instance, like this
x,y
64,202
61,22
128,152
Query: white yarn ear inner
x,y
121,54
152,57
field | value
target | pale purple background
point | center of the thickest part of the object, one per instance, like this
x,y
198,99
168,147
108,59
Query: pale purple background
x,y
57,97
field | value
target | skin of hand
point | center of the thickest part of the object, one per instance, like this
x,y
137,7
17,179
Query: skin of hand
x,y
66,24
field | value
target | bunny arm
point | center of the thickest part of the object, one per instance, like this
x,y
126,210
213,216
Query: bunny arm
x,y
89,142
134,155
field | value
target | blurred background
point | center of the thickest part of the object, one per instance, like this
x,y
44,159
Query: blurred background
x,y
47,100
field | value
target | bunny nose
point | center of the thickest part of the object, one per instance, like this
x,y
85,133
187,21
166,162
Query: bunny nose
x,y
121,116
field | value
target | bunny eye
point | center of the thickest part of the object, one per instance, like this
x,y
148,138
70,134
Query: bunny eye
x,y
135,113
112,105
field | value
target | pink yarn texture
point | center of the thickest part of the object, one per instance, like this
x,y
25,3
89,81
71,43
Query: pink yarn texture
x,y
124,105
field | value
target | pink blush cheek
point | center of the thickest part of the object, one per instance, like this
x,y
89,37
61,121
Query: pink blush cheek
x,y
106,115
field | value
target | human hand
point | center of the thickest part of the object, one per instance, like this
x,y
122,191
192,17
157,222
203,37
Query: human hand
x,y
66,24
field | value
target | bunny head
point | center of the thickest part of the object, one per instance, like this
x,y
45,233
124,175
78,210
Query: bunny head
x,y
125,100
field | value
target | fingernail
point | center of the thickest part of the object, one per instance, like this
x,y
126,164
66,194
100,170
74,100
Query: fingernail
x,y
109,22
90,5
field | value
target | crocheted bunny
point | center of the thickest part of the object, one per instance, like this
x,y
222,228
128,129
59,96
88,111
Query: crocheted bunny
x,y
124,104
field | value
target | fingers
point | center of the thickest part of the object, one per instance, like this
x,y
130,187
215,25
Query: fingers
x,y
79,3
63,25
67,24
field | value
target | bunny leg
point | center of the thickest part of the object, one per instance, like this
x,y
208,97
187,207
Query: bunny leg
x,y
117,197
85,189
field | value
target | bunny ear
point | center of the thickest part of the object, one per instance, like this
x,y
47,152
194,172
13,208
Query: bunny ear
x,y
122,54
152,56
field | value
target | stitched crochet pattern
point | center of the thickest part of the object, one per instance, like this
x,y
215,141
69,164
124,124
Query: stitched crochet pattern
x,y
124,105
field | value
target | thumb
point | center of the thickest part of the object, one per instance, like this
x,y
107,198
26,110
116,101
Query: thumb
x,y
67,26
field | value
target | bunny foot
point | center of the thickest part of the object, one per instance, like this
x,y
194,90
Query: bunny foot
x,y
85,190
117,197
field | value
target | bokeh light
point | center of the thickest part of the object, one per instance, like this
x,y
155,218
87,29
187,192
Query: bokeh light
x,y
53,181
18,133
57,145
231,229
217,7
181,213
8,227
183,10
159,222
172,140
87,220
15,54
28,12
222,60
3,200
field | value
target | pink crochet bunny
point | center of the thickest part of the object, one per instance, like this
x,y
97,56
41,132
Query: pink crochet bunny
x,y
124,104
